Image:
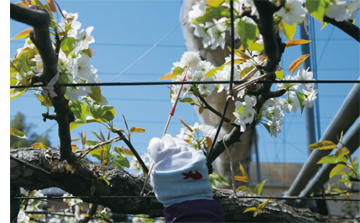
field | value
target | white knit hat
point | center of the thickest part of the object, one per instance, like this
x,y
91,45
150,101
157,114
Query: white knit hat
x,y
179,173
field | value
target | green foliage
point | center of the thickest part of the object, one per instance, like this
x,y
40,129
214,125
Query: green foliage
x,y
317,8
217,177
92,108
342,158
255,189
247,32
211,13
108,156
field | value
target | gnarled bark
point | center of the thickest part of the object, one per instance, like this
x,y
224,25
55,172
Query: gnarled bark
x,y
122,183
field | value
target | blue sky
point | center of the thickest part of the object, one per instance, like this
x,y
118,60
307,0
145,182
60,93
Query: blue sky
x,y
125,30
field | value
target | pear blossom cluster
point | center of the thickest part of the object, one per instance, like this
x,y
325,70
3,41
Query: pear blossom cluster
x,y
193,69
297,95
74,66
32,205
197,136
135,165
213,31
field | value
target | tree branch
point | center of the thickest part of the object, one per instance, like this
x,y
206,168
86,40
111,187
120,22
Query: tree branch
x,y
40,36
349,28
207,106
272,43
127,185
133,150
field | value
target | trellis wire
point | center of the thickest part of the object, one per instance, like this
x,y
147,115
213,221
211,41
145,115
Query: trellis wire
x,y
192,82
153,197
231,77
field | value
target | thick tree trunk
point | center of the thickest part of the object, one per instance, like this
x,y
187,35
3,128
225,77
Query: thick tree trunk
x,y
41,174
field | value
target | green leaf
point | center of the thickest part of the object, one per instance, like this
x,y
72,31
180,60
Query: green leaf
x,y
91,142
177,71
336,170
242,178
256,47
217,177
109,114
287,30
44,100
263,205
96,95
243,170
250,209
301,98
247,32
280,75
212,13
122,161
22,65
125,151
317,8
23,34
39,145
135,129
331,160
212,72
323,145
340,153
96,153
17,92
106,181
17,133
258,188
187,100
13,80
214,3
79,110
67,45
78,122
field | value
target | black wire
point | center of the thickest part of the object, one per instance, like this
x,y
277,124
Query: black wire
x,y
192,82
231,77
152,197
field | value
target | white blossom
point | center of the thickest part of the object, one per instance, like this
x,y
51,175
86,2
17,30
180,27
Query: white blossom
x,y
290,103
191,59
85,38
82,68
337,10
305,75
310,97
22,217
69,24
292,12
135,165
274,127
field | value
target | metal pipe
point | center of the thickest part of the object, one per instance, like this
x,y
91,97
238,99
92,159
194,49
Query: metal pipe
x,y
309,112
351,141
342,121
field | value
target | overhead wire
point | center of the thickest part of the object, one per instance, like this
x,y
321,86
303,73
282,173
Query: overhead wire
x,y
148,51
153,197
232,47
188,82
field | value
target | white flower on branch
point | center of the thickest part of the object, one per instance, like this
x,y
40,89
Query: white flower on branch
x,y
85,39
310,97
293,12
305,75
